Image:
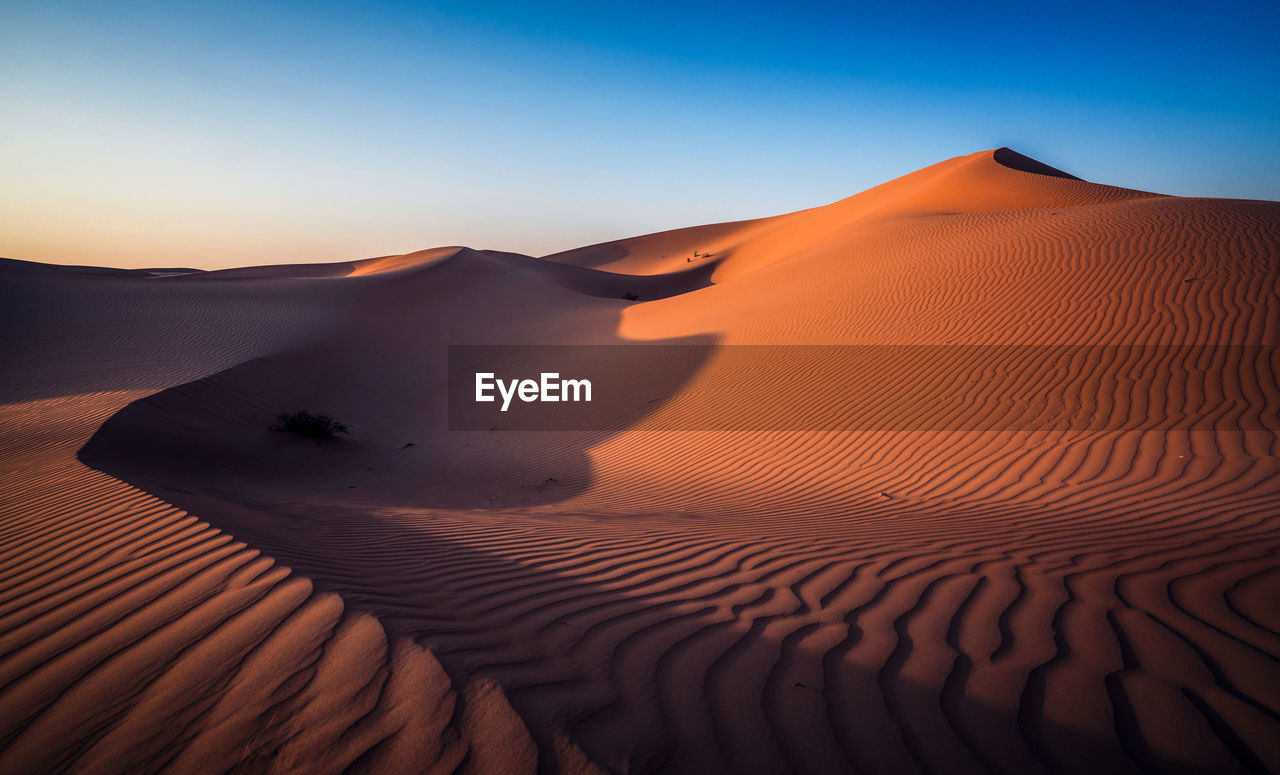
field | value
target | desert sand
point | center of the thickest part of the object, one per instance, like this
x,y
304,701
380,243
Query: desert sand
x,y
185,590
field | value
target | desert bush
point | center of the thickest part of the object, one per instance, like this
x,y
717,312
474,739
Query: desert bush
x,y
313,426
630,296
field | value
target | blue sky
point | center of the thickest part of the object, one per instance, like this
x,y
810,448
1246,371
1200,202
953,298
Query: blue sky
x,y
225,134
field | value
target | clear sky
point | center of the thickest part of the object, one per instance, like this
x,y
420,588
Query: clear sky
x,y
226,133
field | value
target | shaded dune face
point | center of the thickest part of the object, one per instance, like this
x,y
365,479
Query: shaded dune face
x,y
1014,160
383,373
747,601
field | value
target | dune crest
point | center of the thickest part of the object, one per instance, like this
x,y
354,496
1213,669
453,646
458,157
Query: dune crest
x,y
984,182
1014,160
185,586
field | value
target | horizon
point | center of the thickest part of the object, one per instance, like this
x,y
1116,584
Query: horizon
x,y
553,255
147,135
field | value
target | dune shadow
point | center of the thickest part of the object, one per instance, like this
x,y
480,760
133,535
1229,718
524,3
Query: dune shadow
x,y
408,446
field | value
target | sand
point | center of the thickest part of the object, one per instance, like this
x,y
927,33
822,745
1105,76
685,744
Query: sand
x,y
186,591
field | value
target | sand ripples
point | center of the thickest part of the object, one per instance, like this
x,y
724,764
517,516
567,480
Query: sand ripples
x,y
1096,599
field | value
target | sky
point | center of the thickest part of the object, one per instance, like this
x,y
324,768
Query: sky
x,y
223,134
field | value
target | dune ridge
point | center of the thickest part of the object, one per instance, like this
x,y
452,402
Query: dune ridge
x,y
683,601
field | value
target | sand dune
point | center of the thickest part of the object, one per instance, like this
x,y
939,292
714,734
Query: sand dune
x,y
185,590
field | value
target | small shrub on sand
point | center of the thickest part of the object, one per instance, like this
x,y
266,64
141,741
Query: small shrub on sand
x,y
313,426
630,296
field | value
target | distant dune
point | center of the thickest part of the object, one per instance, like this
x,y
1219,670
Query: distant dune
x,y
185,590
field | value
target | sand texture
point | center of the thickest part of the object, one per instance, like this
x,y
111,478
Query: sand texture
x,y
184,590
